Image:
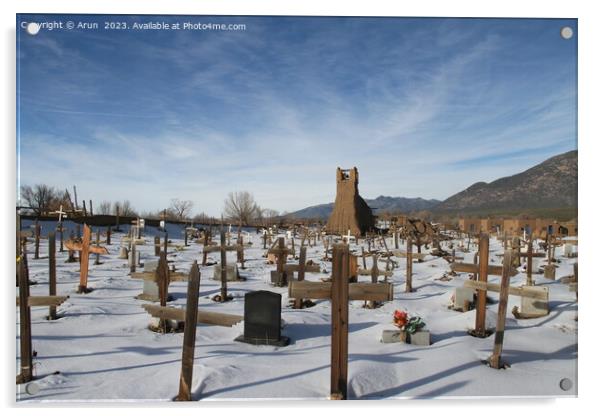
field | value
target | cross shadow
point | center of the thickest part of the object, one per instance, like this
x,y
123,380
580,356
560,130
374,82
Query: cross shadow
x,y
300,331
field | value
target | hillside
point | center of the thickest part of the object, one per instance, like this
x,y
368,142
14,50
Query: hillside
x,y
550,185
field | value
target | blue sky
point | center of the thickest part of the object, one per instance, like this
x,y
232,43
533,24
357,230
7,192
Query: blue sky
x,y
423,107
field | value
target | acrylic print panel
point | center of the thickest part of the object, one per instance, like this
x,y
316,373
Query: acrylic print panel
x,y
429,148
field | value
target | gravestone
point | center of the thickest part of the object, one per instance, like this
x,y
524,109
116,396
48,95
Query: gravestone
x,y
549,271
262,319
464,298
231,272
150,289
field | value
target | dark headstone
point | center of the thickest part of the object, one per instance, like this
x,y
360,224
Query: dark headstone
x,y
262,319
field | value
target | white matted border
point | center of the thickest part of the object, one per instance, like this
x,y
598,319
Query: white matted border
x,y
590,22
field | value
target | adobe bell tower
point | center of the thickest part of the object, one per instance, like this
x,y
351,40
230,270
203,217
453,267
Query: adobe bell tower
x,y
350,211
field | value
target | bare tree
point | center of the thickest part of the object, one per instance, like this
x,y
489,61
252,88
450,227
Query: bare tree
x,y
104,208
180,209
241,206
125,209
269,215
40,198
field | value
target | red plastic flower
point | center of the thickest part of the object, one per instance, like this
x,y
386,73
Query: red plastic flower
x,y
400,318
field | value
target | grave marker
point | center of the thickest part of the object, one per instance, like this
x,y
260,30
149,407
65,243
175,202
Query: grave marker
x,y
84,249
263,319
192,304
279,276
340,291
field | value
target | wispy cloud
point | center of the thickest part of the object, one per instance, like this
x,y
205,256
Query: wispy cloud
x,y
423,107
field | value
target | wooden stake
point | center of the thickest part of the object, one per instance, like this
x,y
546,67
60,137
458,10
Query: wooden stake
x,y
84,260
480,329
301,274
108,235
192,304
409,259
340,322
157,246
495,360
26,374
224,276
530,262
97,260
52,272
37,229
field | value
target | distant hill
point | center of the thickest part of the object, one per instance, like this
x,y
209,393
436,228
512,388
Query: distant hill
x,y
551,185
380,204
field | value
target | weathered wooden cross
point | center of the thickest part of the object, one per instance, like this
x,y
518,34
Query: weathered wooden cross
x,y
279,277
340,292
483,269
223,249
25,302
84,249
374,272
301,268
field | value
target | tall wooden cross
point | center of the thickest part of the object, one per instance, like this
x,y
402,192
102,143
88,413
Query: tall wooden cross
x,y
281,252
223,249
340,292
25,302
482,270
84,250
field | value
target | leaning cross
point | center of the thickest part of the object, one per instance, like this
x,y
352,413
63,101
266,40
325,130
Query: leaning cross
x,y
85,249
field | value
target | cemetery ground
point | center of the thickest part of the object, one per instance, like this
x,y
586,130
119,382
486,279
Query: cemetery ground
x,y
101,349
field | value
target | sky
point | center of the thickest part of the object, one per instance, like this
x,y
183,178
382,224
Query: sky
x,y
423,107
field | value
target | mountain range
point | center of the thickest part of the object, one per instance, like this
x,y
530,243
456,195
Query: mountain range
x,y
550,186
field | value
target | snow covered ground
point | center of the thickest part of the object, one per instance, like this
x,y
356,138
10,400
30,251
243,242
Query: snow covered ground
x,y
103,351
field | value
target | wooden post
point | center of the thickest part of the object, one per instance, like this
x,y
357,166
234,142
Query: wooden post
x,y
265,239
61,231
205,245
84,204
495,360
192,304
37,228
340,322
24,320
480,329
52,272
185,236
108,235
132,253
162,281
157,246
97,259
84,259
165,242
530,262
91,211
224,277
301,274
409,265
364,258
71,258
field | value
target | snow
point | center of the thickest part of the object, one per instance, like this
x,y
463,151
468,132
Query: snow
x,y
102,349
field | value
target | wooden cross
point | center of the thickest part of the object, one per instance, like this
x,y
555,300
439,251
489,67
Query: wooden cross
x,y
482,270
301,268
281,254
409,264
59,226
84,249
25,302
374,272
340,291
223,249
